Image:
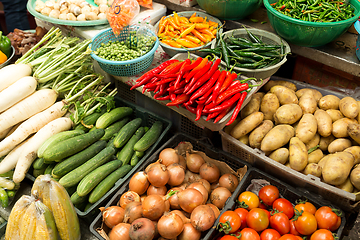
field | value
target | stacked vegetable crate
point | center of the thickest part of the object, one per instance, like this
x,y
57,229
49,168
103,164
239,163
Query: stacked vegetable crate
x,y
2,228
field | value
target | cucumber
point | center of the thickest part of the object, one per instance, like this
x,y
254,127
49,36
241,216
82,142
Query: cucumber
x,y
4,198
127,151
8,174
76,199
81,206
55,139
134,159
111,143
126,132
49,168
38,172
11,193
114,115
105,185
75,176
149,138
139,154
7,183
72,145
38,163
114,128
89,121
76,160
92,179
88,205
71,190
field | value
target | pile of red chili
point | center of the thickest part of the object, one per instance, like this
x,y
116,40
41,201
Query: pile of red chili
x,y
197,85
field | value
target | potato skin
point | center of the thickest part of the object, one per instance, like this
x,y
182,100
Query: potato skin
x,y
313,169
322,161
288,114
324,122
354,132
316,93
338,145
277,137
358,116
355,177
257,135
272,83
313,142
325,141
334,114
315,156
346,186
339,127
354,150
280,155
247,125
244,139
285,95
253,105
298,156
337,168
307,102
307,128
269,104
349,107
329,102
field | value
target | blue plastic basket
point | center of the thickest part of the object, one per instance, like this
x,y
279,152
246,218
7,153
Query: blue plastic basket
x,y
357,27
122,68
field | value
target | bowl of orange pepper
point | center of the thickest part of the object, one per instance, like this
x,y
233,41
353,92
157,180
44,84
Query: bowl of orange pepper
x,y
187,31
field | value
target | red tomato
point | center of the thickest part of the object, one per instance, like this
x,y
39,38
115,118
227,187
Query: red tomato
x,y
293,230
249,234
285,206
270,234
233,218
299,238
322,234
257,219
262,206
250,199
267,213
306,223
288,237
280,222
268,194
337,225
229,237
242,212
306,207
327,218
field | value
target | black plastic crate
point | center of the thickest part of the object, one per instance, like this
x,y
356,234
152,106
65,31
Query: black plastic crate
x,y
2,228
198,145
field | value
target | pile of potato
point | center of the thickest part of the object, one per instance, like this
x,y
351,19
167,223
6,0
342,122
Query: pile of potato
x,y
304,130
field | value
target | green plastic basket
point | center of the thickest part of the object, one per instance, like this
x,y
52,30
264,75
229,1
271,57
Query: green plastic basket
x,y
122,68
308,34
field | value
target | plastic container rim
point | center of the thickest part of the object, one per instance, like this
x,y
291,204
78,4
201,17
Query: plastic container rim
x,y
354,3
9,59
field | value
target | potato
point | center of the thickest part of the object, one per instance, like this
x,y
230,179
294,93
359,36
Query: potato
x,y
339,127
272,83
354,132
325,141
313,142
253,105
358,116
346,186
322,161
284,94
228,129
337,168
355,177
329,102
257,135
277,137
269,104
349,107
295,125
334,114
288,114
324,122
298,156
244,139
287,165
313,169
307,102
354,150
316,93
338,145
306,128
247,125
280,155
315,156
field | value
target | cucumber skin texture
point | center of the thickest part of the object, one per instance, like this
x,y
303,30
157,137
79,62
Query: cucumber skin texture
x,y
75,176
114,115
105,185
113,129
76,199
134,159
49,168
76,160
72,145
90,181
126,132
90,120
4,199
38,172
38,164
149,138
127,151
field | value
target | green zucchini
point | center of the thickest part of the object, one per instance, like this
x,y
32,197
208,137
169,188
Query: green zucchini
x,y
49,168
76,160
149,138
38,163
88,122
114,115
134,159
55,139
76,199
105,185
72,145
126,132
127,151
90,181
75,176
4,198
114,128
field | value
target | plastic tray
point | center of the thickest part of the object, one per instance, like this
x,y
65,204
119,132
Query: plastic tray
x,y
148,119
2,229
173,142
258,159
357,27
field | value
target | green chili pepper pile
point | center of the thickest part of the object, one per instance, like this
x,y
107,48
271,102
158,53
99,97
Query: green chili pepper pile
x,y
315,10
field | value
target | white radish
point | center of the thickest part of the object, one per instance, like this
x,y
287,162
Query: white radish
x,y
13,72
9,162
31,125
13,128
4,133
16,92
27,107
29,154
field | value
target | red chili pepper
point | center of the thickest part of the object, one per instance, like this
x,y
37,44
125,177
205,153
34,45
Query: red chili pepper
x,y
219,83
169,75
157,88
212,115
237,108
223,113
226,103
183,98
206,87
202,64
172,97
190,109
166,80
198,75
282,7
206,95
162,90
174,88
231,91
167,97
231,77
179,91
199,109
182,71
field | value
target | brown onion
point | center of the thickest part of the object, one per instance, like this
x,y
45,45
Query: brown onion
x,y
198,186
189,199
206,184
191,177
153,207
128,197
139,183
182,215
158,175
215,209
174,199
120,232
168,156
202,218
133,211
182,161
183,186
194,162
112,215
228,180
189,233
209,172
142,197
142,229
167,205
219,196
214,185
170,225
152,190
177,174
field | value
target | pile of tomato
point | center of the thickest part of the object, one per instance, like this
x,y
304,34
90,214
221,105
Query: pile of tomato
x,y
267,216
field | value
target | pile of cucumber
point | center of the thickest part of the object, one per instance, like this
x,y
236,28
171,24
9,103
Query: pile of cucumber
x,y
90,159
7,188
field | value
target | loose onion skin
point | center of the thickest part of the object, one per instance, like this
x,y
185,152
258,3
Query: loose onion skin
x,y
229,181
152,190
170,225
182,215
120,232
209,172
133,211
202,218
176,174
158,175
215,209
182,161
200,187
174,199
168,156
189,233
194,162
191,177
153,207
113,215
142,229
189,199
128,197
139,183
219,196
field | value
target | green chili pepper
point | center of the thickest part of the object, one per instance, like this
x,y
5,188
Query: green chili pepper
x,y
5,44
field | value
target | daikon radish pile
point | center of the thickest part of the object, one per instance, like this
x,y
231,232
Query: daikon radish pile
x,y
13,72
4,133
